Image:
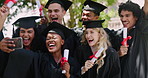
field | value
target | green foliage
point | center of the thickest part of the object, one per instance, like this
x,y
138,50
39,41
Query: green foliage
x,y
76,10
2,2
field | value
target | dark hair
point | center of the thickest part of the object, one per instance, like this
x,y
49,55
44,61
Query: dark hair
x,y
130,6
35,42
62,6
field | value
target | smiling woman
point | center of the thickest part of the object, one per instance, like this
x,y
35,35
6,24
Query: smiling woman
x,y
28,31
27,35
107,64
55,35
54,42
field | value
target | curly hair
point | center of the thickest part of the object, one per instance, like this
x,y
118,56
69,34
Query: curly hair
x,y
103,42
130,6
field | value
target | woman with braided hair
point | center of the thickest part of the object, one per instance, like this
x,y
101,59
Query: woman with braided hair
x,y
107,64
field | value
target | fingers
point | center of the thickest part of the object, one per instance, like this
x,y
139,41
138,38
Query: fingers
x,y
5,44
44,20
123,50
66,67
4,9
7,50
88,65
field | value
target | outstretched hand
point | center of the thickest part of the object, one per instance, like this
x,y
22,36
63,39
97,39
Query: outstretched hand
x,y
4,44
145,9
4,11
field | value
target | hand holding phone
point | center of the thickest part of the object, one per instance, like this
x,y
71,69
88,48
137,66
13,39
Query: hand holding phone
x,y
17,42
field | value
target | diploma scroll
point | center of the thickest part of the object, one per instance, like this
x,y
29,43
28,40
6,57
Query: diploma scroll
x,y
124,32
40,7
10,3
97,54
125,38
66,54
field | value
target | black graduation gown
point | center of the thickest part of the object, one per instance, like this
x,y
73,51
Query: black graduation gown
x,y
140,49
115,37
1,35
110,69
28,64
52,68
22,64
71,43
124,60
3,62
3,58
135,63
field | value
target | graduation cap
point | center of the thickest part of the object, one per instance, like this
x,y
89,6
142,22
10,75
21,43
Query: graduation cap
x,y
65,3
93,6
26,22
93,23
58,28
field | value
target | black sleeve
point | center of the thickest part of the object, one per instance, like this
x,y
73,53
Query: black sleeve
x,y
115,38
3,62
72,43
18,65
142,24
1,35
74,68
115,69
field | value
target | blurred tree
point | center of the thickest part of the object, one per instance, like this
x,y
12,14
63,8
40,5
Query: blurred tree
x,y
76,10
1,2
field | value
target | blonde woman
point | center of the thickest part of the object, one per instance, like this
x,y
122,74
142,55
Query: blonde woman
x,y
107,64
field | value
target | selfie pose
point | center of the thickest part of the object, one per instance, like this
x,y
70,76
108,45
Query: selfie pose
x,y
49,64
27,32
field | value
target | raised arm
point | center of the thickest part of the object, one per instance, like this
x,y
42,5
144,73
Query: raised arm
x,y
145,8
4,11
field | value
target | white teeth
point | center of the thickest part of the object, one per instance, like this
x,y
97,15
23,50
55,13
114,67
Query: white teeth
x,y
90,40
125,22
25,38
51,45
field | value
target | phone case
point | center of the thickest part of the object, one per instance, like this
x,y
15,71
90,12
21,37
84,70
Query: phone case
x,y
18,43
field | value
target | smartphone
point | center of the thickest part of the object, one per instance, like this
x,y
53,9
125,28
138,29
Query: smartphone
x,y
18,43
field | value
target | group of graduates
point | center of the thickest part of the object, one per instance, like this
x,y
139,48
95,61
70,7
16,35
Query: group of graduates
x,y
44,45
